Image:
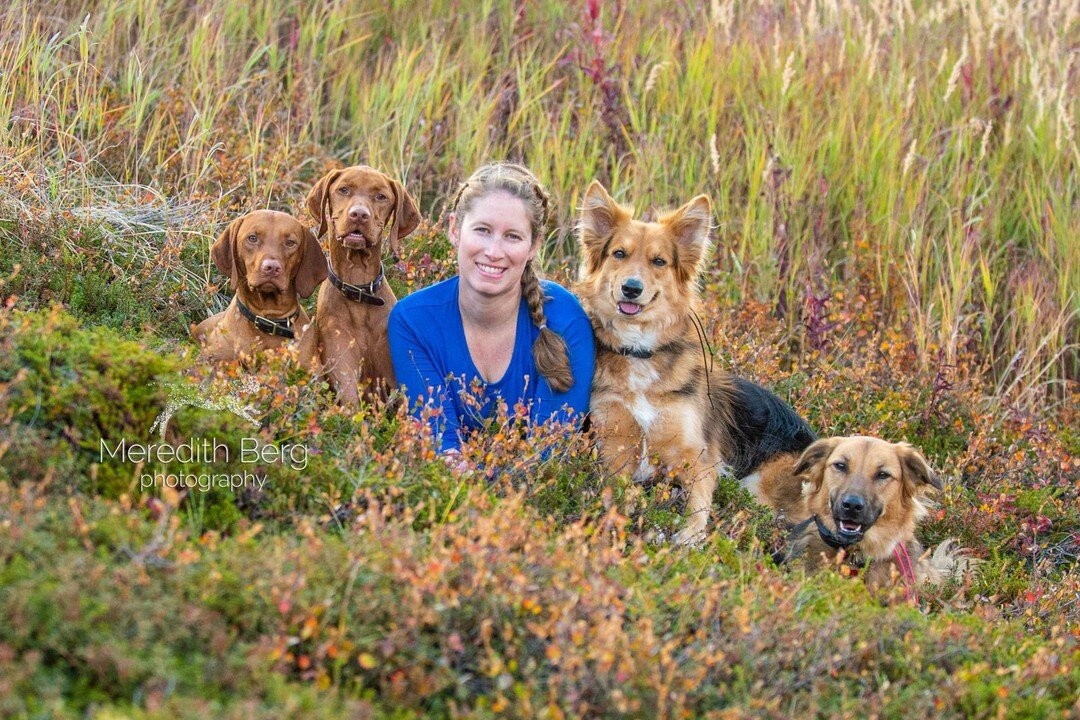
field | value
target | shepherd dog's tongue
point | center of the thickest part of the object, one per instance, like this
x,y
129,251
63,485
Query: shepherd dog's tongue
x,y
629,308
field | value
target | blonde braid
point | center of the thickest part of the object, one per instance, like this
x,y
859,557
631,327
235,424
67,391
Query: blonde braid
x,y
549,350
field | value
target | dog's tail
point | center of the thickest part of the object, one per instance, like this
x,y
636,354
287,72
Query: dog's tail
x,y
948,561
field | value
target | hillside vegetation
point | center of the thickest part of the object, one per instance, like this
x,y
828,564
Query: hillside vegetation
x,y
897,214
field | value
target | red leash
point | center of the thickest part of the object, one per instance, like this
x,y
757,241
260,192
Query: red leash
x,y
907,570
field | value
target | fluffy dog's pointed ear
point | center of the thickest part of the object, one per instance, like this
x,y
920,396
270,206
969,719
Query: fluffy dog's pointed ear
x,y
690,225
318,200
406,217
223,253
916,470
313,267
600,215
812,462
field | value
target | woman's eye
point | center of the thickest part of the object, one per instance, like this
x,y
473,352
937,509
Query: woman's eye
x,y
619,254
659,262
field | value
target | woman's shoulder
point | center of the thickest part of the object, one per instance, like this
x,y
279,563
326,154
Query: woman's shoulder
x,y
563,307
558,294
433,297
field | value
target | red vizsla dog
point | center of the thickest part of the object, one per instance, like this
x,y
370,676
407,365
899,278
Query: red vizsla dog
x,y
270,258
355,208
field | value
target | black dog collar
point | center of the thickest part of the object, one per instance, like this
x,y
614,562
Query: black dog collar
x,y
832,539
635,352
358,293
281,327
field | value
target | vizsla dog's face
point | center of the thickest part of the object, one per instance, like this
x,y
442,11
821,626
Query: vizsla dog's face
x,y
865,487
356,204
270,252
635,273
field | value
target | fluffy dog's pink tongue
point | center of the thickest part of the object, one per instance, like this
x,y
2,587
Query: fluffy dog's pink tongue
x,y
629,308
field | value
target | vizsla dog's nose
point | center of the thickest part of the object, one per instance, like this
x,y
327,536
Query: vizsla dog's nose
x,y
271,267
632,288
360,213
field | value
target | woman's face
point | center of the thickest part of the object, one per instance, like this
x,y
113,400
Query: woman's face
x,y
494,242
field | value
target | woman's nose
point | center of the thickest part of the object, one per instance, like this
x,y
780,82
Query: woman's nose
x,y
494,249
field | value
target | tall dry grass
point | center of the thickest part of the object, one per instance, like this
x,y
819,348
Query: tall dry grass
x,y
918,157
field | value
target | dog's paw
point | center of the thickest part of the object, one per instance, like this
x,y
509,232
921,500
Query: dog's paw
x,y
690,536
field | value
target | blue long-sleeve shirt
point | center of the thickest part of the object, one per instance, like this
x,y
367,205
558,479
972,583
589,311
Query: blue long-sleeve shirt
x,y
427,346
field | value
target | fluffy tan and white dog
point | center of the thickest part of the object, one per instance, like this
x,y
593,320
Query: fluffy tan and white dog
x,y
657,403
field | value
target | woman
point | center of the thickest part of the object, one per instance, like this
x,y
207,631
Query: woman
x,y
496,325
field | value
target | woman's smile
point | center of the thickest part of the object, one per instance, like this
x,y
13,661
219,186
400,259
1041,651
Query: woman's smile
x,y
491,270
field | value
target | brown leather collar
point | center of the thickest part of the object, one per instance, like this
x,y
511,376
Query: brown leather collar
x,y
358,293
281,327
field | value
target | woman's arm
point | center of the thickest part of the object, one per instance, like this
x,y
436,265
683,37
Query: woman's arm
x,y
416,370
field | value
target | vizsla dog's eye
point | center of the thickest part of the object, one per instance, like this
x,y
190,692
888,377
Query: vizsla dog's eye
x,y
253,238
619,254
882,475
659,262
840,466
290,242
343,190
381,198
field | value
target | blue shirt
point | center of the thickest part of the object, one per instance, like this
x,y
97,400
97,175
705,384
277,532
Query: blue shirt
x,y
427,345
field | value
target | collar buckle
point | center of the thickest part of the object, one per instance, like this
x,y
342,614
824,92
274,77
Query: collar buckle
x,y
279,327
358,293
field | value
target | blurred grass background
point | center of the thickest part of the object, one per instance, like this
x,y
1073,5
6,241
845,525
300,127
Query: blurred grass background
x,y
924,153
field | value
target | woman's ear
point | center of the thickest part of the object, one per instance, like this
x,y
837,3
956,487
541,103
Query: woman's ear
x,y
453,231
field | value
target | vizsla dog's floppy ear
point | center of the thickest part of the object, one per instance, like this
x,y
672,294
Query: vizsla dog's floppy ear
x,y
223,253
916,470
313,267
690,225
318,200
812,462
406,217
600,215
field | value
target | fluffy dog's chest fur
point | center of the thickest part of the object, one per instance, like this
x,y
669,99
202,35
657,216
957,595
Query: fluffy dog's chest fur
x,y
647,386
657,403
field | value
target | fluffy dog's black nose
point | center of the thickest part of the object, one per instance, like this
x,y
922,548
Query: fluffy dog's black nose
x,y
852,504
632,288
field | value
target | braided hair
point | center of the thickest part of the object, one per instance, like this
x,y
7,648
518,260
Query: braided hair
x,y
549,350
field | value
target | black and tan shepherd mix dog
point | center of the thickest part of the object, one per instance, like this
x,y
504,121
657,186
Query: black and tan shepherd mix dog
x,y
656,405
857,501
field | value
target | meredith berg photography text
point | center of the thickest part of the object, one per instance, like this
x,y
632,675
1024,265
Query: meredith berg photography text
x,y
205,451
